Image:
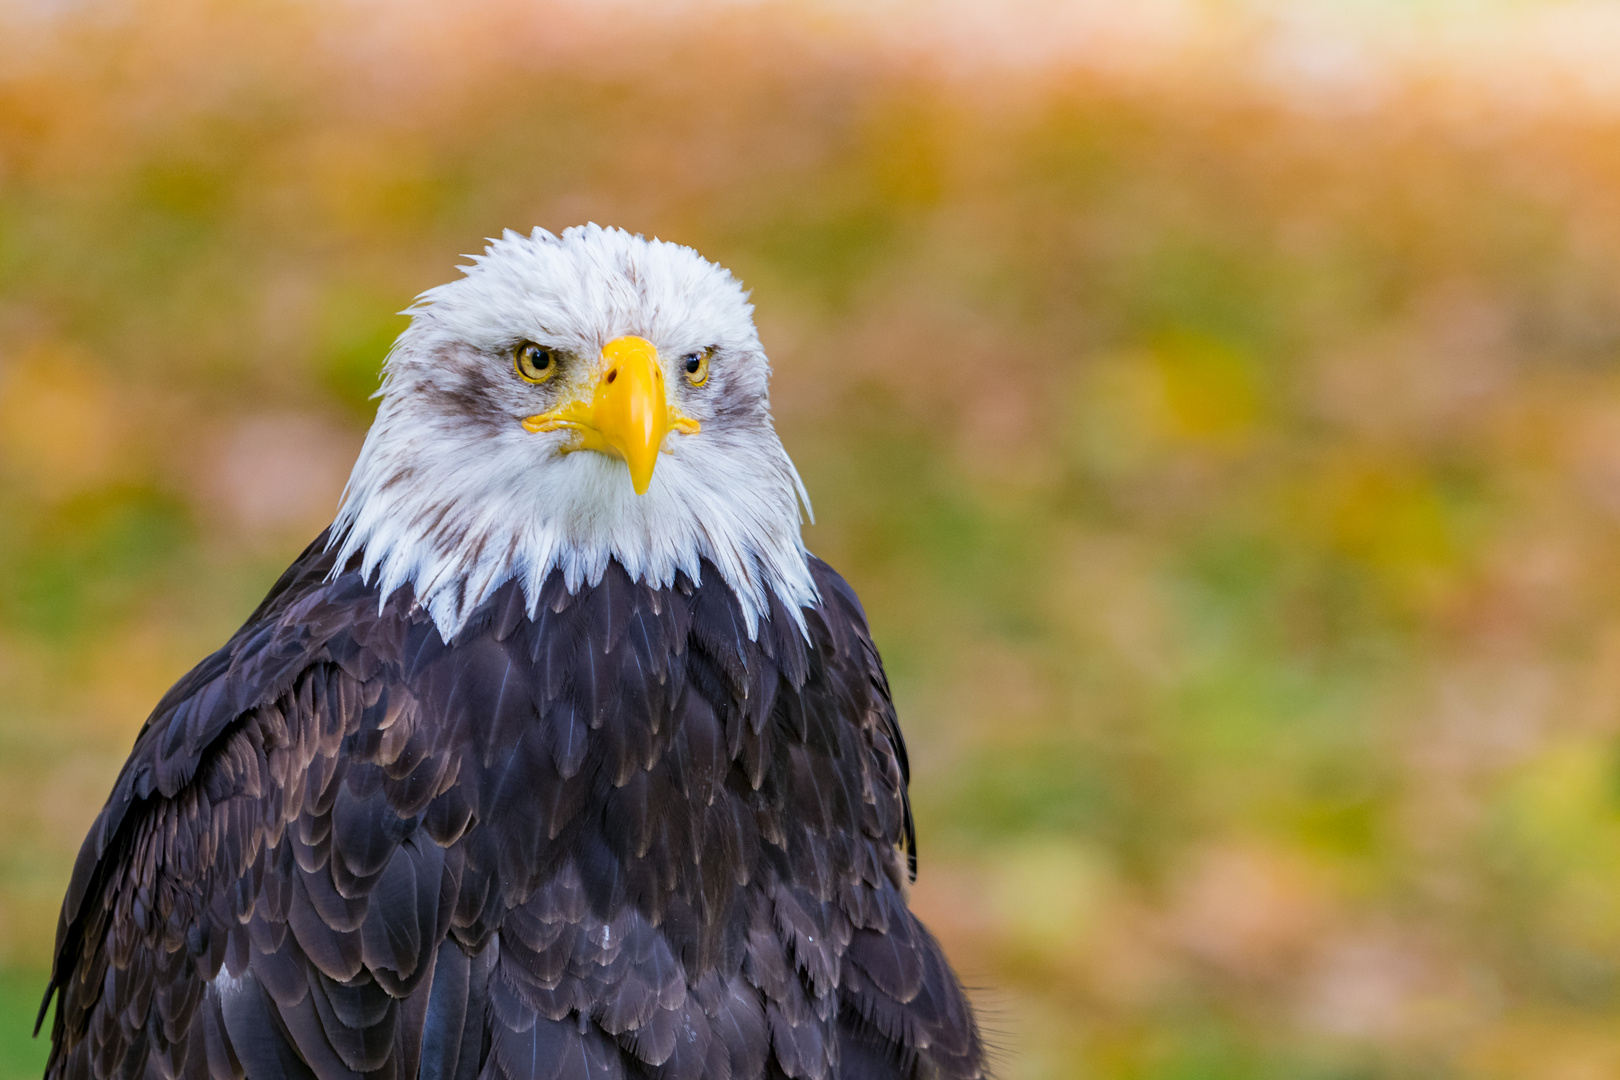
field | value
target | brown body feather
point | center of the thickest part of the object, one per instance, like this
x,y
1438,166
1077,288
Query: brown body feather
x,y
617,839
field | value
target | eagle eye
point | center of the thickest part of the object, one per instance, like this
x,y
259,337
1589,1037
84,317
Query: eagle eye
x,y
696,366
534,363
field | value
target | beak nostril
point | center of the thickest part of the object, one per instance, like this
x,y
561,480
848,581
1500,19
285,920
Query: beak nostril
x,y
614,374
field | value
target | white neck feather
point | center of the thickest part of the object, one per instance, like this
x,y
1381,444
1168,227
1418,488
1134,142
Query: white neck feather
x,y
456,523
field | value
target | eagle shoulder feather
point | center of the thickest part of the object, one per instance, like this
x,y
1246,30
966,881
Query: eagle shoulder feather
x,y
606,832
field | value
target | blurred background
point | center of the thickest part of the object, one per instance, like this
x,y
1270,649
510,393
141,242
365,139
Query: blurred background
x,y
1216,404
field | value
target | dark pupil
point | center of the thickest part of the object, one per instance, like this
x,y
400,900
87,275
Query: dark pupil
x,y
539,359
692,363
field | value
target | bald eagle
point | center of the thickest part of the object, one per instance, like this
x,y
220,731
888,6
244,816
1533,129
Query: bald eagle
x,y
555,756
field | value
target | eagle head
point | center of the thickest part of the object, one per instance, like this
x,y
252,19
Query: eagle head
x,y
573,400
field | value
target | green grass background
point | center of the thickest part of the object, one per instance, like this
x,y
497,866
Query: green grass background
x,y
21,1055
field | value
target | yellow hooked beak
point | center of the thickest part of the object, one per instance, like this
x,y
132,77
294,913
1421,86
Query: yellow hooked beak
x,y
628,413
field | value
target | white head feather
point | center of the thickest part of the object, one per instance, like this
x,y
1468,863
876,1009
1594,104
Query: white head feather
x,y
452,496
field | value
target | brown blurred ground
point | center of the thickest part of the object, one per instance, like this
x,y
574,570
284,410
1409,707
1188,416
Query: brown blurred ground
x,y
1217,408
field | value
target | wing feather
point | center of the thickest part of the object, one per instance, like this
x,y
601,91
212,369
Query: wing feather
x,y
617,836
